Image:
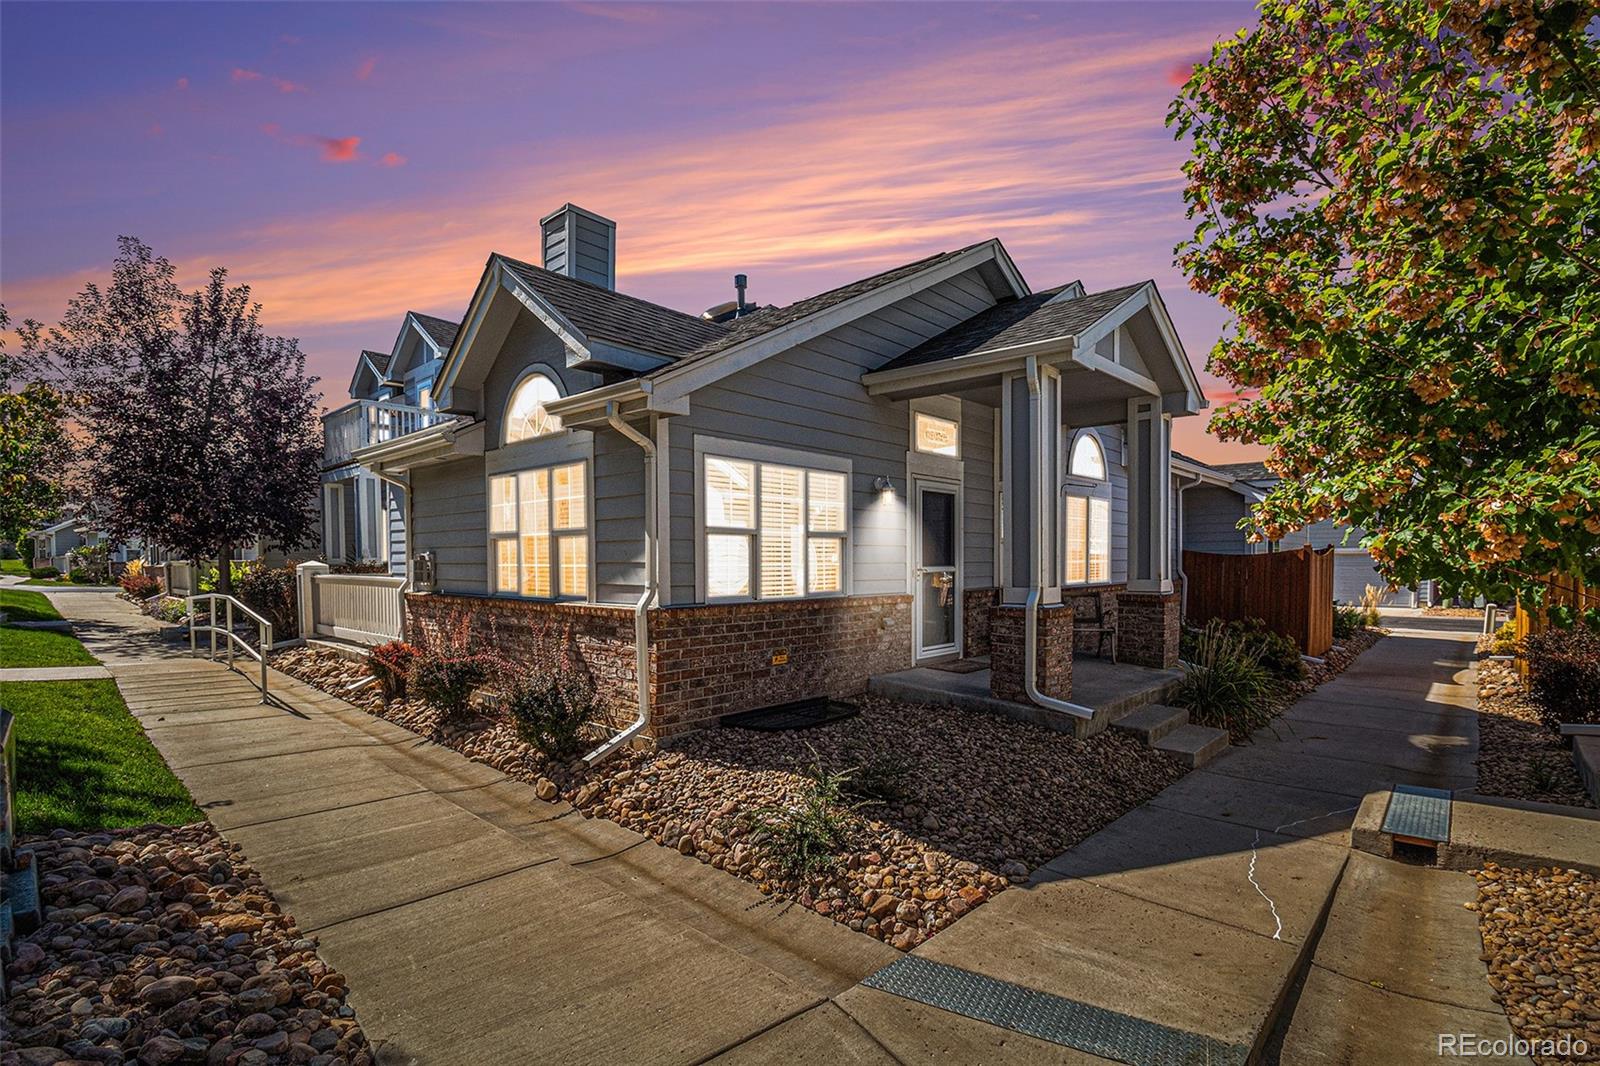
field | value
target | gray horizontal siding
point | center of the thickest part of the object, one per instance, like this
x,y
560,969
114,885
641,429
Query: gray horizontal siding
x,y
450,516
977,507
811,399
618,518
1210,521
397,532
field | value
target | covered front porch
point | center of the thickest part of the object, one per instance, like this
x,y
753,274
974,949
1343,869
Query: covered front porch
x,y
1083,549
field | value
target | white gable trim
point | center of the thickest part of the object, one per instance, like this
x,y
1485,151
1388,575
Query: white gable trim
x,y
681,379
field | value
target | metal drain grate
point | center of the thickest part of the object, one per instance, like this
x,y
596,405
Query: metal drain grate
x,y
1418,813
802,714
1053,1018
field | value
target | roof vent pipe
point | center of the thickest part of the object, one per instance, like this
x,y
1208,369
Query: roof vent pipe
x,y
740,283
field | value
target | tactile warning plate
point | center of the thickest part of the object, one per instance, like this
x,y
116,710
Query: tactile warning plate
x,y
1062,1021
1419,813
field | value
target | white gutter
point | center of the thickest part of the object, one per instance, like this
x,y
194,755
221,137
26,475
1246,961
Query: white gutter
x,y
647,599
1040,496
1183,607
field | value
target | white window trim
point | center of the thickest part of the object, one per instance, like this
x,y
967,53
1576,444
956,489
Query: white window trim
x,y
767,453
491,560
333,513
1086,488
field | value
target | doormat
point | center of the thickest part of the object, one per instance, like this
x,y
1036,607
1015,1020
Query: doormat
x,y
960,666
801,714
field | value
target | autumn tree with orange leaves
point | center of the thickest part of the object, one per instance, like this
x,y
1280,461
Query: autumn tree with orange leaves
x,y
1398,201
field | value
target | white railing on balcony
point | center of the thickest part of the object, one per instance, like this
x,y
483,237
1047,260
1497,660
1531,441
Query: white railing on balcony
x,y
362,423
364,608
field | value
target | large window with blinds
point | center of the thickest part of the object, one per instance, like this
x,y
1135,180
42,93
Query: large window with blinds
x,y
773,530
539,532
1086,518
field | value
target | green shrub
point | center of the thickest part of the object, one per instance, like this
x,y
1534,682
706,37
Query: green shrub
x,y
1505,639
447,681
89,564
207,581
1224,684
44,573
391,664
1369,606
1279,655
1346,621
879,776
1564,674
172,609
270,591
81,576
551,703
806,837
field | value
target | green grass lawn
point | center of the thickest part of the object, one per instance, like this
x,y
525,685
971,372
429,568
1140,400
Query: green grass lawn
x,y
22,606
84,763
14,567
36,647
63,583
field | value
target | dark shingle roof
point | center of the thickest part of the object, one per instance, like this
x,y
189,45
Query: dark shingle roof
x,y
605,315
443,331
1013,322
379,360
768,319
1246,471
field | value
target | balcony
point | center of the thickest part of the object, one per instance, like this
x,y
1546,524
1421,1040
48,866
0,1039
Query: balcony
x,y
362,423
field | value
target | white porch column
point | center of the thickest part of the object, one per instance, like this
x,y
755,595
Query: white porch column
x,y
1030,464
305,594
1149,497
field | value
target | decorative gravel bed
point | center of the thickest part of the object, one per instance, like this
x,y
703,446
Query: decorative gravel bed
x,y
964,805
162,945
1541,941
1520,757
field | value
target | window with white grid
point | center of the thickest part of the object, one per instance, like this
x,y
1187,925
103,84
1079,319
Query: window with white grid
x,y
1086,525
539,532
773,530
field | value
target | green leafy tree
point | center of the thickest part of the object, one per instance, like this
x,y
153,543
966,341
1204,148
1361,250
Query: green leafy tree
x,y
33,444
1398,202
198,430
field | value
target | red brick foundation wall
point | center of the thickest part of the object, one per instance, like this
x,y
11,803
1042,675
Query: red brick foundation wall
x,y
723,659
525,630
1147,633
975,607
705,661
1053,670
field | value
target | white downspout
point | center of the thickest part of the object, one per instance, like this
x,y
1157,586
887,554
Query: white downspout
x,y
1030,611
404,485
1183,606
647,599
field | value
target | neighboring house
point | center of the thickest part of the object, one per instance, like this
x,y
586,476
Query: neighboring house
x,y
761,505
54,542
364,516
1217,497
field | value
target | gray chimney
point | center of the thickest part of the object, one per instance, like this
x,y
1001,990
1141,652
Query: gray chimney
x,y
580,244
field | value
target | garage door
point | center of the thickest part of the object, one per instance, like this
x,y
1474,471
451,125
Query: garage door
x,y
1353,572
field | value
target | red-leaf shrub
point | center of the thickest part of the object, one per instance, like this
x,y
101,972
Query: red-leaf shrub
x,y
391,664
1564,674
139,584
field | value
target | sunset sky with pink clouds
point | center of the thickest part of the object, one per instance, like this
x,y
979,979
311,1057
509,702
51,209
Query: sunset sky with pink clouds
x,y
353,161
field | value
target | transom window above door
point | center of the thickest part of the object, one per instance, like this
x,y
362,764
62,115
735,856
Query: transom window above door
x,y
933,435
526,416
773,530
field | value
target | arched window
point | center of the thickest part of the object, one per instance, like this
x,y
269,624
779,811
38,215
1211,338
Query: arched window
x,y
1086,513
526,416
1088,460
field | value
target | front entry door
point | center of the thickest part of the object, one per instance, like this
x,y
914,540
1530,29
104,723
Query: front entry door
x,y
937,547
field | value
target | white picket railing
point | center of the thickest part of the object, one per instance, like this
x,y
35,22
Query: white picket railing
x,y
362,423
364,608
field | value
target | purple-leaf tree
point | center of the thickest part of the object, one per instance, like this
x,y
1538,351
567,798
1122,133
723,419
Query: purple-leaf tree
x,y
197,430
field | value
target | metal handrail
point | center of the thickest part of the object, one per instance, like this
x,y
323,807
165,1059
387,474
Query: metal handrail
x,y
263,636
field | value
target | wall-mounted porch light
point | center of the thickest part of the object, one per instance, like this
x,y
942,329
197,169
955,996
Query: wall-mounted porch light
x,y
883,485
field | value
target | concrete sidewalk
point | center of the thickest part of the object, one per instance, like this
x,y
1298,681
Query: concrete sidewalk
x,y
476,923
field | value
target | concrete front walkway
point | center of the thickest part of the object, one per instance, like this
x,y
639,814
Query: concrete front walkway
x,y
53,673
476,923
480,925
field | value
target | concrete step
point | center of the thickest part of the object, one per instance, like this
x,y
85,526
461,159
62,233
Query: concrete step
x,y
1196,745
1153,722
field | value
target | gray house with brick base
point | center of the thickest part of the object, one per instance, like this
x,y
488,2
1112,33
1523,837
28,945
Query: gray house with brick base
x,y
762,504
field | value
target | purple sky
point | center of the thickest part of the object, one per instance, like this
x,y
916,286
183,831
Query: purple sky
x,y
351,161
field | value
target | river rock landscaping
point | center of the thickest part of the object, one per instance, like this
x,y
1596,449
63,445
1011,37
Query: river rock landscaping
x,y
938,809
1519,756
162,945
1541,941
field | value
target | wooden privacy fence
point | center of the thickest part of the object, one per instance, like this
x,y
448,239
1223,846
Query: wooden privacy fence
x,y
364,608
1561,590
1292,592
